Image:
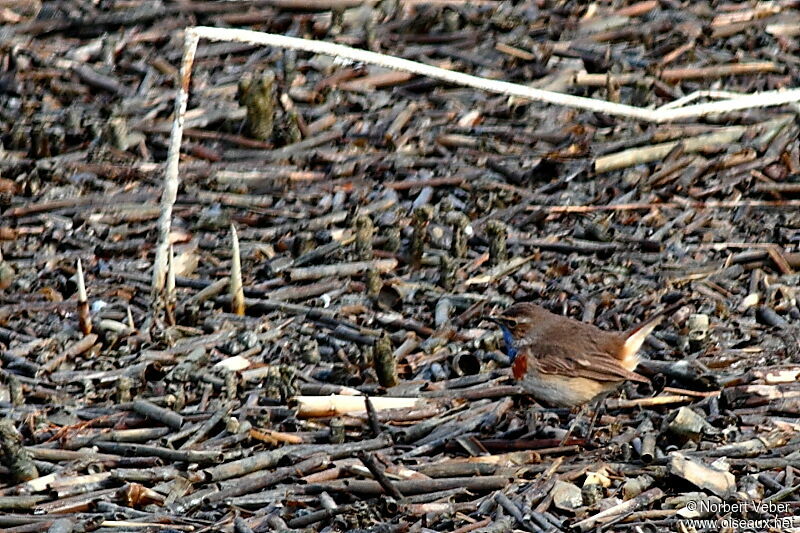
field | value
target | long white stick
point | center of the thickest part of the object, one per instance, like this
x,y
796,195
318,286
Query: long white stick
x,y
171,179
763,99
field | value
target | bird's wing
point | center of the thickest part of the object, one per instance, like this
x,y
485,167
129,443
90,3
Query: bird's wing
x,y
550,358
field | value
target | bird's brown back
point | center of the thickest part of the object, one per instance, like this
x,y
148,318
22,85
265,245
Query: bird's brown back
x,y
549,328
564,346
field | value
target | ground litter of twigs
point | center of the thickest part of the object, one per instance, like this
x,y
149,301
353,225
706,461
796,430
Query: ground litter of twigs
x,y
381,216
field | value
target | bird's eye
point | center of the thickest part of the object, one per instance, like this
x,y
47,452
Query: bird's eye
x,y
510,320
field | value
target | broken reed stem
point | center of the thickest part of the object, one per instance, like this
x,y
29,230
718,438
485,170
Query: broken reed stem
x,y
171,178
14,455
762,99
459,224
337,431
420,220
257,95
364,230
84,316
447,272
131,323
374,283
15,390
384,361
236,288
123,390
497,233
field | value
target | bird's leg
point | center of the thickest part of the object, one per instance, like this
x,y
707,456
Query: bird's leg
x,y
578,413
599,405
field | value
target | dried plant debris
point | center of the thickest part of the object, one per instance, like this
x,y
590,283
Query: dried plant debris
x,y
322,359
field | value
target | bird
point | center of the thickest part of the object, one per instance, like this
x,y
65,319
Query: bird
x,y
564,362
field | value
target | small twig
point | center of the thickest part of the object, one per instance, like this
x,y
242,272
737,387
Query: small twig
x,y
719,95
718,71
236,288
170,292
341,269
372,417
84,316
379,475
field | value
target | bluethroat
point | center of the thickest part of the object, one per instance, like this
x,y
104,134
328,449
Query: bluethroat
x,y
564,362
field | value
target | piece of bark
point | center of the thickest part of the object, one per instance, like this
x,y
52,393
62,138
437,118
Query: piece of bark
x,y
723,484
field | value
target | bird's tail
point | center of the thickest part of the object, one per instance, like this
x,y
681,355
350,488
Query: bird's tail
x,y
635,337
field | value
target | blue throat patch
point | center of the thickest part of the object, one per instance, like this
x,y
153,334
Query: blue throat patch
x,y
508,338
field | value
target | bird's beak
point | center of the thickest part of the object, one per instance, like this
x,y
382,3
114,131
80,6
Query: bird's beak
x,y
501,320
